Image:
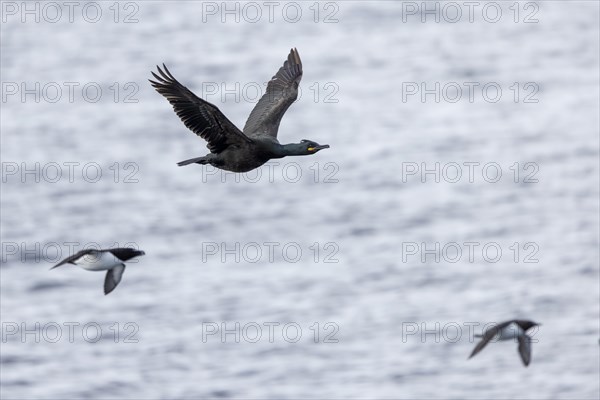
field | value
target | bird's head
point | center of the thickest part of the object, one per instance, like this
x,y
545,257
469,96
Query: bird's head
x,y
528,324
310,147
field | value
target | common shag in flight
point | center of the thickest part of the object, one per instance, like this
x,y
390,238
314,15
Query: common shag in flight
x,y
230,148
509,330
111,260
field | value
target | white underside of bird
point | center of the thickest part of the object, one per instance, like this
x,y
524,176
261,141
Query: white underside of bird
x,y
102,261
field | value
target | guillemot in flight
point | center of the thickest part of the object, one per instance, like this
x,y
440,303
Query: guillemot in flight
x,y
111,260
230,148
509,330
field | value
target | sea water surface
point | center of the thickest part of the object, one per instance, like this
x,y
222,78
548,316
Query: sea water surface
x,y
360,272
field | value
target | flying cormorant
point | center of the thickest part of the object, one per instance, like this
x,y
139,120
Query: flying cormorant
x,y
230,148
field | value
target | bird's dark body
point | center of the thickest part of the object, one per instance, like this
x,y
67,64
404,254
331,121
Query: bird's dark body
x,y
243,159
240,158
230,148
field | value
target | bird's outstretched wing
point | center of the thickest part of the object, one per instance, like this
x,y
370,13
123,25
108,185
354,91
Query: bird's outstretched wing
x,y
74,257
487,336
282,91
525,349
199,116
113,277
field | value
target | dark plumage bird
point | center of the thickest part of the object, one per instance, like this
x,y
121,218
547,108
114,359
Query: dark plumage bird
x,y
230,148
509,330
111,260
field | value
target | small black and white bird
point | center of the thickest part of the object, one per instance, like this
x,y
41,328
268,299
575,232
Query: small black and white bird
x,y
111,260
509,330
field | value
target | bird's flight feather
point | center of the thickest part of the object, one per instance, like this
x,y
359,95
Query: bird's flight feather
x,y
74,257
282,91
198,115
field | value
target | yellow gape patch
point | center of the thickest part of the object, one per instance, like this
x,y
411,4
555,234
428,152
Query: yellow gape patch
x,y
311,148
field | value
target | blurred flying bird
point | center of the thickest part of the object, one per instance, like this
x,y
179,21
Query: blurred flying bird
x,y
111,260
509,330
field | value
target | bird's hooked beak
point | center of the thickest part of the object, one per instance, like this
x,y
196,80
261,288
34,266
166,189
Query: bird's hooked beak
x,y
317,148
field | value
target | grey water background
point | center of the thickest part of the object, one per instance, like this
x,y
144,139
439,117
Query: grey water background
x,y
375,291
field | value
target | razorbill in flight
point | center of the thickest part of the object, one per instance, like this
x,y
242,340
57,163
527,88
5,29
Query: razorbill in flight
x,y
111,260
509,330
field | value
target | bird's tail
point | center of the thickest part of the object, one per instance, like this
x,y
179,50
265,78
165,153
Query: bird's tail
x,y
197,160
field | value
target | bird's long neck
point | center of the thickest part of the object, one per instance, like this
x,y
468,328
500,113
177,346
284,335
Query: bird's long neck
x,y
280,151
290,149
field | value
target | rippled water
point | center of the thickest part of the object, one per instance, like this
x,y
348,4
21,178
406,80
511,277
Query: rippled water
x,y
364,214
